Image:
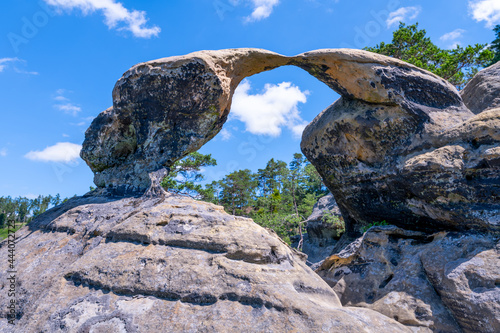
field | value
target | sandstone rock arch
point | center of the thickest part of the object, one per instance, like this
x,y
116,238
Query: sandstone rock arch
x,y
366,145
187,99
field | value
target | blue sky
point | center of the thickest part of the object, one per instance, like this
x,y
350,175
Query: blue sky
x,y
59,61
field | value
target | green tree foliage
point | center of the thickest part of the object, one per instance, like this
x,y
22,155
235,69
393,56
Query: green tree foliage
x,y
495,46
22,210
238,192
3,218
458,65
279,196
185,175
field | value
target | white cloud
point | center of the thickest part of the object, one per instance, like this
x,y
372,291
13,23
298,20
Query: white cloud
x,y
3,152
225,134
115,14
4,63
485,10
402,14
298,129
453,35
66,106
268,112
60,152
61,98
452,38
69,108
262,9
81,123
21,71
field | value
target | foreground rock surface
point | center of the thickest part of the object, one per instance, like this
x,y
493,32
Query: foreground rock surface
x,y
167,264
446,282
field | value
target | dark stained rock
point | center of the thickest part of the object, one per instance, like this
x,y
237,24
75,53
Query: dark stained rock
x,y
445,282
483,90
167,263
420,164
319,231
163,110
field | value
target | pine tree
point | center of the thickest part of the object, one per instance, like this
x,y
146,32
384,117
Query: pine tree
x,y
457,66
495,46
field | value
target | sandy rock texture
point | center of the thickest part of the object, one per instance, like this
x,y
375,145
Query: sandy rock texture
x,y
166,263
166,108
445,282
483,91
421,161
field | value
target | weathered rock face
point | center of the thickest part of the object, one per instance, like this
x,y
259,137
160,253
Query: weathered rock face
x,y
318,231
483,91
165,109
321,236
371,146
167,263
446,282
422,162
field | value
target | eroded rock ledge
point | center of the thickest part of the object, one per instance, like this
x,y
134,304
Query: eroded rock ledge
x,y
167,264
445,282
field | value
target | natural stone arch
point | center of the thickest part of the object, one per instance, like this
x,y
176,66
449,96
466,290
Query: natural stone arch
x,y
379,148
166,108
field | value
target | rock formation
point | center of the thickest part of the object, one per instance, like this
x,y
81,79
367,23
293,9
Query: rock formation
x,y
423,162
445,282
167,264
321,237
163,110
399,145
483,90
367,146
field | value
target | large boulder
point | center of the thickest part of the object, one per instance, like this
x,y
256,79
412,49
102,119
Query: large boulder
x,y
483,90
163,110
421,161
166,263
445,282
